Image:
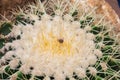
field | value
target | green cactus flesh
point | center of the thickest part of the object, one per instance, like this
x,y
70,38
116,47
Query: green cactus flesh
x,y
65,42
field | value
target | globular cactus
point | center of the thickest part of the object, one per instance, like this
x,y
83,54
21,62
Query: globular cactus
x,y
59,40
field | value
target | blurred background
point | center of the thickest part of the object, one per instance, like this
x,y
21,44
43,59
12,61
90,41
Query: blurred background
x,y
115,5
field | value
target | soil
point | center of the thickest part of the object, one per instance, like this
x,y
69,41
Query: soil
x,y
7,6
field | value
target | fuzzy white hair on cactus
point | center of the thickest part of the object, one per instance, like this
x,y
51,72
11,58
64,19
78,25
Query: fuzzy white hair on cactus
x,y
54,42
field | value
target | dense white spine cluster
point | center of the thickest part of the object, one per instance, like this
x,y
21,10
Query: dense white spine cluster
x,y
39,44
55,45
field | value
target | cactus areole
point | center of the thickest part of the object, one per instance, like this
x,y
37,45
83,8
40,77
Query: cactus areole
x,y
62,41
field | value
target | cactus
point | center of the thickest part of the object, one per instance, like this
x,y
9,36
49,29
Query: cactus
x,y
59,40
